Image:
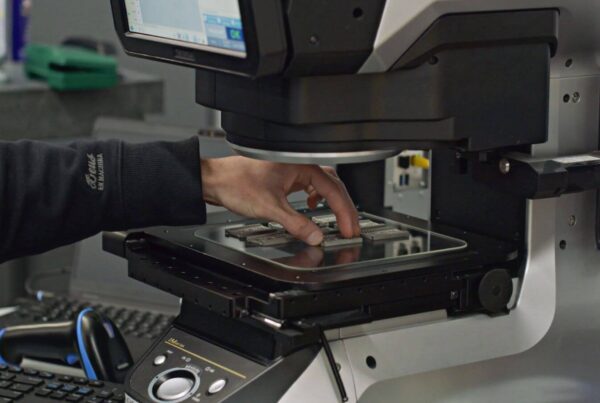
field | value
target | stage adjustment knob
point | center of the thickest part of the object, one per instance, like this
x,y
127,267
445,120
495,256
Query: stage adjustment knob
x,y
495,291
174,385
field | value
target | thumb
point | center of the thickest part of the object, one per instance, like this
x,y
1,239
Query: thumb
x,y
299,226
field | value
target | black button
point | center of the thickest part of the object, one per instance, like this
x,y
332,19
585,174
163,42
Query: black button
x,y
84,391
15,370
6,377
54,386
30,372
21,388
96,384
58,395
66,379
5,384
43,392
105,394
80,381
10,394
73,398
3,367
46,375
69,388
28,380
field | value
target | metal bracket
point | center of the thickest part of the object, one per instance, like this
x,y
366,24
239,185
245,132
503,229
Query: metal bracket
x,y
536,178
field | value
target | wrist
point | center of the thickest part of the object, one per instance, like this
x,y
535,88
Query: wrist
x,y
210,181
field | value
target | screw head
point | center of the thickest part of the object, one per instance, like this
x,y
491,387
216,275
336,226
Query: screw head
x,y
576,97
453,294
504,166
572,221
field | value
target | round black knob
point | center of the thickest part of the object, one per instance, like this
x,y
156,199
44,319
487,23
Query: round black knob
x,y
495,290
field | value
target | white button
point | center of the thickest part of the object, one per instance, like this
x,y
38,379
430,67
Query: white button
x,y
160,360
174,388
217,386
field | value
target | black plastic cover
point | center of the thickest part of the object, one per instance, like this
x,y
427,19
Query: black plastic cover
x,y
444,101
483,30
331,37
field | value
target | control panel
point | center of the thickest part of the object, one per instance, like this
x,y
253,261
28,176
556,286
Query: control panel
x,y
407,188
184,368
410,170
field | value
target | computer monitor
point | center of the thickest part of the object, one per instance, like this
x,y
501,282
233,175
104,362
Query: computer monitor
x,y
3,30
208,25
243,37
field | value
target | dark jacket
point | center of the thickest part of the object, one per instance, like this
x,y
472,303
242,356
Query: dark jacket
x,y
55,195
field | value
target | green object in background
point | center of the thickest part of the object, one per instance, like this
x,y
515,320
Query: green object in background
x,y
68,68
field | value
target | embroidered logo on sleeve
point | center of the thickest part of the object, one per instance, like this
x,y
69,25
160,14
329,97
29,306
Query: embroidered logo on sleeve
x,y
95,173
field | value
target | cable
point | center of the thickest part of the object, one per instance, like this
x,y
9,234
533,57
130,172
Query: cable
x,y
333,365
34,277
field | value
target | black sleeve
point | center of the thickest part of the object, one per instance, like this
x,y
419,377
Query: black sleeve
x,y
55,195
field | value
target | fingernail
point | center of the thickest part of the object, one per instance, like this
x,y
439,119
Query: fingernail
x,y
315,238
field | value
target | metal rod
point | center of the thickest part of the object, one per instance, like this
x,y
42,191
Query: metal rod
x,y
333,365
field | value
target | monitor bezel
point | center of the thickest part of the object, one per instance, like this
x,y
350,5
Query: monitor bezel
x,y
264,33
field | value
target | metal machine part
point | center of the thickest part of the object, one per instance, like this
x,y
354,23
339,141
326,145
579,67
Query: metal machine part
x,y
274,111
538,373
428,87
273,235
334,241
269,314
319,158
286,255
382,235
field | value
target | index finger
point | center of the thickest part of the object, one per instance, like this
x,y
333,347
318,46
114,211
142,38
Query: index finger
x,y
334,191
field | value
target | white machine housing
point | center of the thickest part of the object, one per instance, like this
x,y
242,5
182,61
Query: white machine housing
x,y
421,343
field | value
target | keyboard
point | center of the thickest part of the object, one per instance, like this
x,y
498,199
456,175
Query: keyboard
x,y
131,322
30,386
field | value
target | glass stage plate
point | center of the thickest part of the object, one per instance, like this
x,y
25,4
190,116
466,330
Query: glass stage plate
x,y
296,255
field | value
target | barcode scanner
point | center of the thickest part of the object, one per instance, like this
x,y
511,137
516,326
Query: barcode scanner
x,y
91,340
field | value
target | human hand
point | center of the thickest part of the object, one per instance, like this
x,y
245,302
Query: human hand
x,y
259,189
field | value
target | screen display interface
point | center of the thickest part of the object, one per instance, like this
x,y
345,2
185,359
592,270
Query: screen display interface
x,y
208,25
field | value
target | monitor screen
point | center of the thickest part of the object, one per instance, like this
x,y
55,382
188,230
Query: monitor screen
x,y
3,29
208,25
